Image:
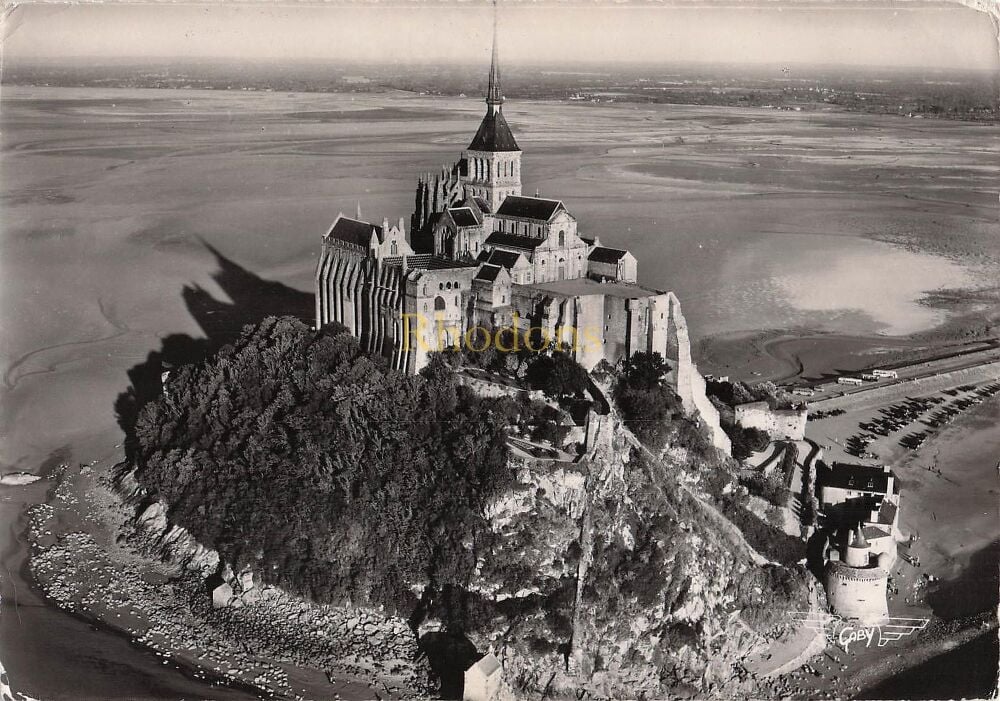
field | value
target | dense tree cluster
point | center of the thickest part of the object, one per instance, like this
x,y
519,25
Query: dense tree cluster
x,y
648,404
746,441
294,452
550,370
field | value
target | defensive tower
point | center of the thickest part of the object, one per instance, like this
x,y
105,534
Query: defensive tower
x,y
857,580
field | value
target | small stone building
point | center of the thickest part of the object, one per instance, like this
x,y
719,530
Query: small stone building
x,y
484,680
780,424
613,264
849,493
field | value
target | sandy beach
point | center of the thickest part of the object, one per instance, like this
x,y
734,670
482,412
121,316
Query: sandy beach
x,y
953,514
145,225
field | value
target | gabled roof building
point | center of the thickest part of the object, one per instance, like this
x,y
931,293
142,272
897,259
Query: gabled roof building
x,y
480,254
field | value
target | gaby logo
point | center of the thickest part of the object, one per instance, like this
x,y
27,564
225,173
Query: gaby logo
x,y
844,634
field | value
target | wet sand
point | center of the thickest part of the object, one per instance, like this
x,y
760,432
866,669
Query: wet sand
x,y
53,655
956,513
112,199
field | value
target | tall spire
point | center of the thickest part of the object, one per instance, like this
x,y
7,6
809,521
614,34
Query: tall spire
x,y
494,94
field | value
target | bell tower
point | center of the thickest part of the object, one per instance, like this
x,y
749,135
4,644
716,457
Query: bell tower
x,y
493,159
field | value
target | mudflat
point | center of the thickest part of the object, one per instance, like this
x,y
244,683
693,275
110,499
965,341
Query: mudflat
x,y
140,220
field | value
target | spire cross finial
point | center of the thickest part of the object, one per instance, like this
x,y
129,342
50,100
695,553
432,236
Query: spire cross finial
x,y
494,95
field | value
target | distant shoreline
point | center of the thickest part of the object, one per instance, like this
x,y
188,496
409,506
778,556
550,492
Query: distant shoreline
x,y
705,98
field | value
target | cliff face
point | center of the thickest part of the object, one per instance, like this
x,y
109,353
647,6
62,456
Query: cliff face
x,y
607,575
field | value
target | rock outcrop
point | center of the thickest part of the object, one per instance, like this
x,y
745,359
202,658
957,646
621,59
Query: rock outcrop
x,y
607,576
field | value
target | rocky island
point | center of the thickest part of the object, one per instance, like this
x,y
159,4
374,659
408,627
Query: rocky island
x,y
331,513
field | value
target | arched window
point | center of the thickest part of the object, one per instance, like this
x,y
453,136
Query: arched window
x,y
562,238
440,285
393,248
447,286
439,304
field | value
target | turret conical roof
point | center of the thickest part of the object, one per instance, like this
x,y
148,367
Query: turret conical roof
x,y
858,539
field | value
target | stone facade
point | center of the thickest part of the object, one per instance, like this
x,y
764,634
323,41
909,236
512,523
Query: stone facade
x,y
780,424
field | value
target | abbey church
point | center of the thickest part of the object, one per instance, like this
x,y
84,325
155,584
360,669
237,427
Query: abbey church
x,y
480,254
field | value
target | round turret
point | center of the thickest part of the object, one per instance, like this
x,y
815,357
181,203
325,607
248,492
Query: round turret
x,y
858,551
855,586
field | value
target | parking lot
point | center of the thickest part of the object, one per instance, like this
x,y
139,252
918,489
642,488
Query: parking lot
x,y
884,434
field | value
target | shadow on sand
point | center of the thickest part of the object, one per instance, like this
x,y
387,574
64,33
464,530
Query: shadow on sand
x,y
976,589
252,300
969,671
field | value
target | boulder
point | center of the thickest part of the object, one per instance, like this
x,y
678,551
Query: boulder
x,y
246,580
154,518
222,596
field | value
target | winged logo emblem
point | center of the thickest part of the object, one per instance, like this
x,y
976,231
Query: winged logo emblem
x,y
844,633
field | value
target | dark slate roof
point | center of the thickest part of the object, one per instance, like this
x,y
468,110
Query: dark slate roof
x,y
488,273
858,477
526,243
483,206
507,259
425,261
887,513
588,241
874,533
353,231
606,255
493,135
463,216
529,208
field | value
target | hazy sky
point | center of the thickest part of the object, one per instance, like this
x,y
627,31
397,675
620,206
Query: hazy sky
x,y
896,33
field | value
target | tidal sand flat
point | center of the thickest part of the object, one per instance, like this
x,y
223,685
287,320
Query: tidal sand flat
x,y
145,221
